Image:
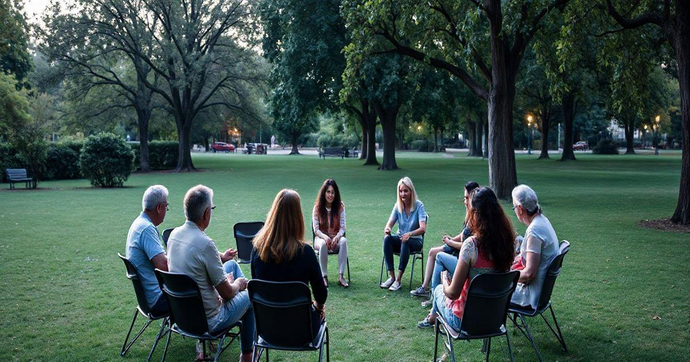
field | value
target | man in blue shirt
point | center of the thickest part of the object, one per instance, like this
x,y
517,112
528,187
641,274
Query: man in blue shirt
x,y
144,248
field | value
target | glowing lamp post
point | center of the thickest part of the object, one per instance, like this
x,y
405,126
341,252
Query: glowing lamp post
x,y
529,127
656,134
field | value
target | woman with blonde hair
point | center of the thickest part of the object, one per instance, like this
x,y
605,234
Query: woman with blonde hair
x,y
411,217
281,255
328,224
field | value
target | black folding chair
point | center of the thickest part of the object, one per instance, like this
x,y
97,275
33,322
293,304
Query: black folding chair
x,y
143,309
244,234
283,314
519,312
485,314
330,252
187,314
166,236
416,255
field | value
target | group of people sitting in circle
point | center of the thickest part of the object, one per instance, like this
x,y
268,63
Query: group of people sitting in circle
x,y
486,244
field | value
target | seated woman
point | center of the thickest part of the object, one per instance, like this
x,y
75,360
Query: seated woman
x,y
445,257
280,254
328,223
538,249
488,250
411,217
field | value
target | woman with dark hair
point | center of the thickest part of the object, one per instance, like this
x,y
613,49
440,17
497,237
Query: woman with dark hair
x,y
445,257
281,255
328,223
489,250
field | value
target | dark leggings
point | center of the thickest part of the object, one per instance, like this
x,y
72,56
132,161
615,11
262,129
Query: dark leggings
x,y
393,243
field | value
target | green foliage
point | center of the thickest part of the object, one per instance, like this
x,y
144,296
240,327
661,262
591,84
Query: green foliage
x,y
106,160
163,155
8,159
14,53
63,161
606,146
14,113
423,145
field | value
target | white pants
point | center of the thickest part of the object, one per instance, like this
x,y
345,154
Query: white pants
x,y
322,249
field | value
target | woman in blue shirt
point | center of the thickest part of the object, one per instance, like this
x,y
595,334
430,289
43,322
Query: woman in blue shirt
x,y
411,217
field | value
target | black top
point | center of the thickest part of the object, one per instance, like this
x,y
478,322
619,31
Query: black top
x,y
304,267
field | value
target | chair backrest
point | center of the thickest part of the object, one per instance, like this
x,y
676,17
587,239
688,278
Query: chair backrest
x,y
551,274
282,311
487,303
133,275
185,302
166,236
244,234
14,173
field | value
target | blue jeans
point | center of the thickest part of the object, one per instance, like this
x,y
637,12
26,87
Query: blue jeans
x,y
439,304
443,262
235,309
393,243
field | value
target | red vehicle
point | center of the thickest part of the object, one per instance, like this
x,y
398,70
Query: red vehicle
x,y
581,146
223,147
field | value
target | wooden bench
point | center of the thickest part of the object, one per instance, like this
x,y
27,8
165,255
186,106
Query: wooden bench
x,y
332,151
15,175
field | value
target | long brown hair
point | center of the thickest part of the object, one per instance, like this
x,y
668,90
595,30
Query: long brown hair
x,y
491,228
320,206
282,236
469,187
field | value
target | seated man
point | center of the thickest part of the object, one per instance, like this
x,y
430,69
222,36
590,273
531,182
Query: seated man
x,y
144,248
444,257
222,286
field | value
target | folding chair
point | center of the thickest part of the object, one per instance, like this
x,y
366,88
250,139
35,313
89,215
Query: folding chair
x,y
313,245
166,236
283,314
187,314
143,309
485,312
416,255
244,234
520,312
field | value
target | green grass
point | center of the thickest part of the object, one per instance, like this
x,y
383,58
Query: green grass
x,y
64,294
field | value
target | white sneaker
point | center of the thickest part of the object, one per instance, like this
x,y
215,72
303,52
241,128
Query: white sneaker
x,y
387,283
395,286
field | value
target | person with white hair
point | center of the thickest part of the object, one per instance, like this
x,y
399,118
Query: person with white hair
x,y
221,281
411,217
144,248
538,249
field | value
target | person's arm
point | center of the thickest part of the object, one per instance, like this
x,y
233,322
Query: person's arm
x,y
151,245
226,285
341,232
315,278
391,221
532,259
316,225
453,288
160,261
228,289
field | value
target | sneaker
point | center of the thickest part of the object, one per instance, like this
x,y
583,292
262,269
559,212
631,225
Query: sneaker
x,y
395,286
426,303
387,283
420,292
423,324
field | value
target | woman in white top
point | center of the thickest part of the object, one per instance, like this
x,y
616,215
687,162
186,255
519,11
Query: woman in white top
x,y
538,249
328,222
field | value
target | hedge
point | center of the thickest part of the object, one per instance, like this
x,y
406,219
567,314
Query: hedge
x,y
163,155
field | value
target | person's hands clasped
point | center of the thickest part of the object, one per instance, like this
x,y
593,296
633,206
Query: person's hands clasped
x,y
241,283
334,243
321,308
405,237
446,239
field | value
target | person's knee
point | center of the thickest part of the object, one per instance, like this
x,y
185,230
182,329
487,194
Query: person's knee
x,y
342,241
434,251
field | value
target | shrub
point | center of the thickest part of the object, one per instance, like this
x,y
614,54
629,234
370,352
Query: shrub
x,y
8,159
63,161
163,155
423,145
106,160
606,146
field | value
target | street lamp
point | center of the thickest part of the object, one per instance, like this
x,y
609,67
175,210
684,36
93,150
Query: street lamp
x,y
656,133
529,126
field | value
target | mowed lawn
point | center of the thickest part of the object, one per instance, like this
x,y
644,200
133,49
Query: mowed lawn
x,y
622,295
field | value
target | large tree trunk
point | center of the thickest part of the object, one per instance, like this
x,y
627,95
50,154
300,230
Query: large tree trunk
x,y
184,162
545,125
363,154
470,138
502,170
295,140
568,104
682,46
443,149
629,137
435,139
485,153
369,116
388,117
143,118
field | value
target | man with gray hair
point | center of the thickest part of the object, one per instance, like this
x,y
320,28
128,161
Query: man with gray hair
x,y
221,281
144,248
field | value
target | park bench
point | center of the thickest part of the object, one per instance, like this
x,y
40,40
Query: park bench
x,y
332,151
17,175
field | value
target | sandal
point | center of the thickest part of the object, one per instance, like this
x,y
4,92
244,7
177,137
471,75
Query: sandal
x,y
343,284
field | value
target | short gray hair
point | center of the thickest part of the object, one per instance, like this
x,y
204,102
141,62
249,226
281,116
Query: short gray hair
x,y
153,196
196,201
524,196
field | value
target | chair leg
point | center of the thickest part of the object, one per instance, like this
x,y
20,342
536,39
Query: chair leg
x,y
348,270
328,345
530,337
436,332
158,337
414,259
558,335
125,346
510,350
381,275
488,348
134,319
167,343
219,349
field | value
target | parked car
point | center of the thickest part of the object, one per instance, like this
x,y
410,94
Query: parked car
x,y
223,147
581,146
